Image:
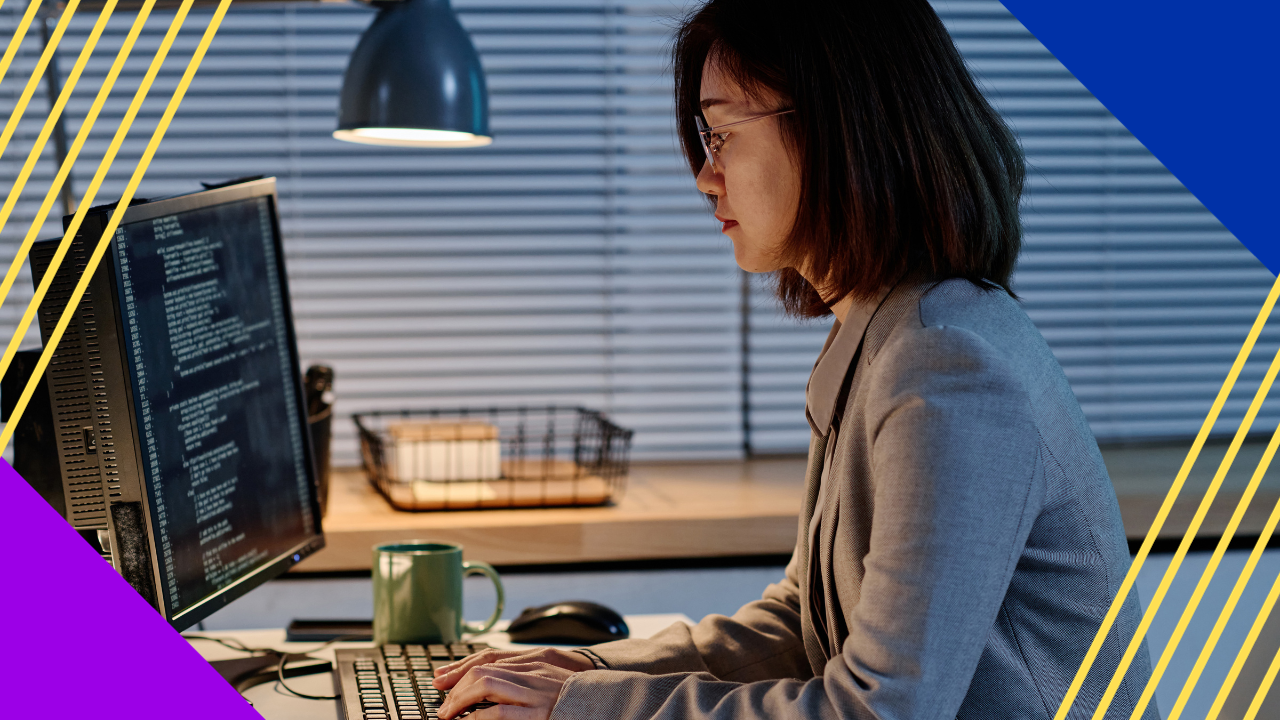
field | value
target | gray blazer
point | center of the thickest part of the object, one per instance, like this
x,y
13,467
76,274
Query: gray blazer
x,y
968,544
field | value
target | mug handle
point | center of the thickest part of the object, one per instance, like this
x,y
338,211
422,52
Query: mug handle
x,y
482,568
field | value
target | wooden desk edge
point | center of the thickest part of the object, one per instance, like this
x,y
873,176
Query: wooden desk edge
x,y
574,543
745,527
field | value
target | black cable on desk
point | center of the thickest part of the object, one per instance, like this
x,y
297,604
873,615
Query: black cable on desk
x,y
238,646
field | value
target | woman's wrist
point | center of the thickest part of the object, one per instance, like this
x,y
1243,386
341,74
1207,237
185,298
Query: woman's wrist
x,y
596,662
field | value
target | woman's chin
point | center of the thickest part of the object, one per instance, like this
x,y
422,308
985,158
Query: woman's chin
x,y
749,256
754,265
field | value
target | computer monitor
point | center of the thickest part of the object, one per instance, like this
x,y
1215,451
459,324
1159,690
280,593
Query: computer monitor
x,y
177,399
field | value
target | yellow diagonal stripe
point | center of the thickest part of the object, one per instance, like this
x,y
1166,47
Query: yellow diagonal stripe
x,y
108,159
100,175
1241,582
105,241
81,137
38,74
1264,688
1245,649
1205,577
15,193
19,34
1135,643
1126,585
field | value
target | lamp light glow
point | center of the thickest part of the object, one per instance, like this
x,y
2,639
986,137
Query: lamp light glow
x,y
414,80
412,137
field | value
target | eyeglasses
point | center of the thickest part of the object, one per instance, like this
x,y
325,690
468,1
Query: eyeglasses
x,y
713,140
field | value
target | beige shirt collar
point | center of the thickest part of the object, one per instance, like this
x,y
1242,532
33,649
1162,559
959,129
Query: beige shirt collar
x,y
833,362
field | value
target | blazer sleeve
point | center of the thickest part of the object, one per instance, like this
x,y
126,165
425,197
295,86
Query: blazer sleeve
x,y
954,457
760,642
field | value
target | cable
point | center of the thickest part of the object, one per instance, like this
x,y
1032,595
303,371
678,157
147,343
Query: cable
x,y
284,660
285,686
238,646
231,643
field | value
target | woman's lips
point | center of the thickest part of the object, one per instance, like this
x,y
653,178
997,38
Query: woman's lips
x,y
728,224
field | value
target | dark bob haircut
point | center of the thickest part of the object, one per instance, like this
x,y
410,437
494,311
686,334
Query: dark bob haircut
x,y
905,167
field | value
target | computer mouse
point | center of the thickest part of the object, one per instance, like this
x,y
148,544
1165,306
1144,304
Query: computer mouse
x,y
572,622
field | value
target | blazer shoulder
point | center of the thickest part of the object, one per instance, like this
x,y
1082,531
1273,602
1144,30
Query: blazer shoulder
x,y
956,302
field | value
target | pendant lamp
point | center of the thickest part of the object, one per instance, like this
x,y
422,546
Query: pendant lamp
x,y
414,79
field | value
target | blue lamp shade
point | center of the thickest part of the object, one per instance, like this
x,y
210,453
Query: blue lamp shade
x,y
414,80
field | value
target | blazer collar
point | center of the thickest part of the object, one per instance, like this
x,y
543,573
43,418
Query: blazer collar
x,y
829,372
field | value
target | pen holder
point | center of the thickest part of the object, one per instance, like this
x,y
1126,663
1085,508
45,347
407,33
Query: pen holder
x,y
318,382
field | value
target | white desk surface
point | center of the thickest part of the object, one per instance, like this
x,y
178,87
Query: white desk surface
x,y
274,703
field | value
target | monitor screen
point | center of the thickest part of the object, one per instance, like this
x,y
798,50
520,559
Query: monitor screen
x,y
204,323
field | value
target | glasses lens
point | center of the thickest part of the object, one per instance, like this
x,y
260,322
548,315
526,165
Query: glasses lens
x,y
704,134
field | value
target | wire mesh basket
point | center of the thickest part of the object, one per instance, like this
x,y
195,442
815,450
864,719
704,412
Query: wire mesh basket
x,y
494,458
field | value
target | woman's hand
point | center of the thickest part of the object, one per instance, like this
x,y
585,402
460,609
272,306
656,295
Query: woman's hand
x,y
449,675
525,684
522,691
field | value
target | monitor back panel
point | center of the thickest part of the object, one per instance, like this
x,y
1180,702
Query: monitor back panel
x,y
90,400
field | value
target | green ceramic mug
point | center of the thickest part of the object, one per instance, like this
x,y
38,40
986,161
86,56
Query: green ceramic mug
x,y
417,593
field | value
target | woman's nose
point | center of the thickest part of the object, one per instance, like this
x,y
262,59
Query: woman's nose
x,y
709,181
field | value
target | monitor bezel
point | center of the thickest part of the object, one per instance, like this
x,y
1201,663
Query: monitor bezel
x,y
281,563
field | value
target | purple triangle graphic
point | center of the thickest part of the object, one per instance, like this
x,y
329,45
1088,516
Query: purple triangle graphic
x,y
1195,82
80,642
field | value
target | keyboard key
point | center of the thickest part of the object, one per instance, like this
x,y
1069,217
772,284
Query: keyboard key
x,y
403,680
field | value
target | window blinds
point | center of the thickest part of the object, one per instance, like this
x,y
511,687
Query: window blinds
x,y
573,262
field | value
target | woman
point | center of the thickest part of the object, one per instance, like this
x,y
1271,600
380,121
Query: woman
x,y
960,541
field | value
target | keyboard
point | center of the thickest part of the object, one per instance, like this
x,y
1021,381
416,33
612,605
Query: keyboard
x,y
393,682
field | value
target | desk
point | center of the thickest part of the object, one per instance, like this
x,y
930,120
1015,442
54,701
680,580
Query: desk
x,y
275,704
726,509
669,510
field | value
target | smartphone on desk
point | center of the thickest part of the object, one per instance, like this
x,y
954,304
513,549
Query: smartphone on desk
x,y
326,630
